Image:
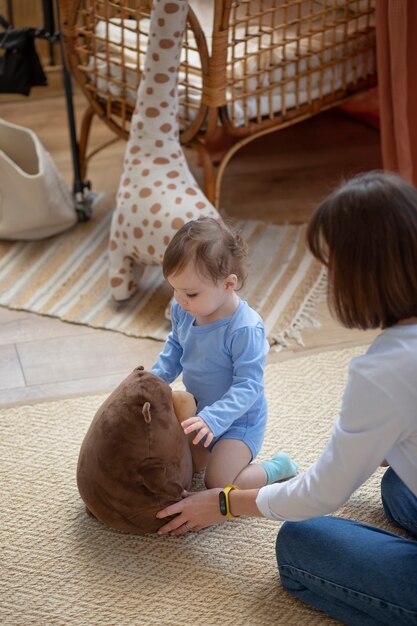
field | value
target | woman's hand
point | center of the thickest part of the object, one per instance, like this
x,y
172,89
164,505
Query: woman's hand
x,y
194,512
197,423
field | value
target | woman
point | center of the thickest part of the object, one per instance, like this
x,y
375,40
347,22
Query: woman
x,y
365,232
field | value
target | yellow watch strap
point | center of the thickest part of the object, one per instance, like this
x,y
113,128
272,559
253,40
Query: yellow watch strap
x,y
226,492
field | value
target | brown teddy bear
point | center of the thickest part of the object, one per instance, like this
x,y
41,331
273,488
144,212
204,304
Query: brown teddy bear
x,y
135,458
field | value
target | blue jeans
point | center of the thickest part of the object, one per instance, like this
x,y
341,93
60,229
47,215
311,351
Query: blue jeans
x,y
356,573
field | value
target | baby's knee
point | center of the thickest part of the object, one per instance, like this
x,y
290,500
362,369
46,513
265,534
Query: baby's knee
x,y
214,477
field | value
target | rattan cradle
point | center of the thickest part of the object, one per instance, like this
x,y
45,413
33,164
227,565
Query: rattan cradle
x,y
249,67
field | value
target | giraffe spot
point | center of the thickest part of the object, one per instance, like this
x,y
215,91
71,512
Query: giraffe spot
x,y
122,271
173,174
134,149
125,235
155,208
200,205
161,78
152,112
177,34
172,93
139,125
178,200
113,245
191,191
138,232
117,234
126,194
190,215
145,172
151,250
131,285
166,240
157,223
165,128
172,186
155,56
161,161
164,105
120,218
166,44
159,143
136,161
157,183
149,91
116,282
172,70
134,208
126,182
171,7
177,222
174,156
145,222
145,192
161,22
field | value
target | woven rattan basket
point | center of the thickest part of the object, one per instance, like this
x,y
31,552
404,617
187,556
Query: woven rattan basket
x,y
249,67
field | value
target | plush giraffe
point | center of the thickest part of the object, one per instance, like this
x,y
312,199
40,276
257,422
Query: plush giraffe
x,y
157,192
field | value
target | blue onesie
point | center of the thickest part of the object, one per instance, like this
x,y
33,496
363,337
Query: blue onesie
x,y
222,365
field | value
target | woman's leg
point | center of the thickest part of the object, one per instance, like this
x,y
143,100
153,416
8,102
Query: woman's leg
x,y
400,504
355,573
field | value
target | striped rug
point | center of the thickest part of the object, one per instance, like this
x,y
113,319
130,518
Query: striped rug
x,y
66,277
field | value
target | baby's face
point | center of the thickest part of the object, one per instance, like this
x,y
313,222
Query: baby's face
x,y
202,298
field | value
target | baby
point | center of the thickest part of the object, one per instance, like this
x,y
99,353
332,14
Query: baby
x,y
218,342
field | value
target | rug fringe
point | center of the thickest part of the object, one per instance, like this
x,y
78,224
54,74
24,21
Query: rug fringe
x,y
305,317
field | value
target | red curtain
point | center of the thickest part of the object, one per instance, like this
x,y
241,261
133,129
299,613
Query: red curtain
x,y
397,84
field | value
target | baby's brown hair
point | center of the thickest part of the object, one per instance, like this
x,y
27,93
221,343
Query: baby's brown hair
x,y
212,246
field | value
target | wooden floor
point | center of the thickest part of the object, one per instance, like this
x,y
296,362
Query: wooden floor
x,y
277,178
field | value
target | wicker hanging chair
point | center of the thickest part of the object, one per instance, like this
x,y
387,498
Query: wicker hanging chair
x,y
249,67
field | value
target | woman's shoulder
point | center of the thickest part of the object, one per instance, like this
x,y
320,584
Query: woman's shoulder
x,y
393,352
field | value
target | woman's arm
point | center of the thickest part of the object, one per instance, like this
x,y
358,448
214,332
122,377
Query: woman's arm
x,y
201,509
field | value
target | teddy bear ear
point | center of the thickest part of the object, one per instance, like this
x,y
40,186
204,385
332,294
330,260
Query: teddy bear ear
x,y
146,411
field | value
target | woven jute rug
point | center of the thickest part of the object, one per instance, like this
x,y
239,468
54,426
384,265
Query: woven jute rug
x,y
60,567
66,276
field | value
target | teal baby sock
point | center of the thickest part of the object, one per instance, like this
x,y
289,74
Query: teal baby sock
x,y
280,467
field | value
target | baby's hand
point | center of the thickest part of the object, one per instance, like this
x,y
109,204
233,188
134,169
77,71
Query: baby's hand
x,y
196,423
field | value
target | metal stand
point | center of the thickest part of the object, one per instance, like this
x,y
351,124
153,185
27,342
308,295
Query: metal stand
x,y
83,196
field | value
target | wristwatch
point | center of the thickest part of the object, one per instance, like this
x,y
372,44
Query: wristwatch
x,y
224,501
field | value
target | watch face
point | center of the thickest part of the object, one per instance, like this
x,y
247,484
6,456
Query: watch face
x,y
223,503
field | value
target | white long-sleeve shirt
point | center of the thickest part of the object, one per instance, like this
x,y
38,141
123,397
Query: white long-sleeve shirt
x,y
377,421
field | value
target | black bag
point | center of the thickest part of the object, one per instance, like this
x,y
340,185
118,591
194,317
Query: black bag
x,y
20,67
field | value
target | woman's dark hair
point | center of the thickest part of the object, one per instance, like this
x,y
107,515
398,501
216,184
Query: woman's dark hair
x,y
365,232
211,245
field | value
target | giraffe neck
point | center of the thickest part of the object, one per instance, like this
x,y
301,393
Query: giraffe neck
x,y
156,111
